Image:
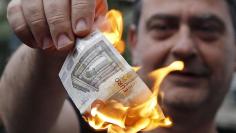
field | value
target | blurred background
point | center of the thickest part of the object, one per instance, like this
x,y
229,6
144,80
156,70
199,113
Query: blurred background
x,y
226,118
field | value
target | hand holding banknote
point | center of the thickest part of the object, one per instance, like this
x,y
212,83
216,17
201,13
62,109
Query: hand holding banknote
x,y
37,95
47,24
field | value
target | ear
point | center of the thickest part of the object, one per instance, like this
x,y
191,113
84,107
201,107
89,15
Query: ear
x,y
132,36
132,40
235,62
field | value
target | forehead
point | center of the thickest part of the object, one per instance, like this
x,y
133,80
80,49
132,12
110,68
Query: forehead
x,y
185,8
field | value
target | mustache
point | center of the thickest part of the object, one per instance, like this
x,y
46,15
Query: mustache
x,y
195,68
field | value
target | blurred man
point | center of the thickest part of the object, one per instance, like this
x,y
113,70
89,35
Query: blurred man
x,y
200,33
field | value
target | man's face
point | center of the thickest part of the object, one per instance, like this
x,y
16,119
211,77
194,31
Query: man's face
x,y
198,32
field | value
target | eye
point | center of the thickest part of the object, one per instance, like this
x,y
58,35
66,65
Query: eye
x,y
162,30
161,27
208,30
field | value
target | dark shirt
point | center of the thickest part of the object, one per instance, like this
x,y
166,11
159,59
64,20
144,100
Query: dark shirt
x,y
2,129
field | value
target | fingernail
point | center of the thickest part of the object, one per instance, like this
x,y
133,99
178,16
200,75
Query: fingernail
x,y
47,43
81,26
63,41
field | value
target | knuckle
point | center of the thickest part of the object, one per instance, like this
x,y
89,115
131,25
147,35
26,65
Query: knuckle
x,y
55,14
36,20
57,19
34,14
19,28
13,7
80,4
83,4
82,9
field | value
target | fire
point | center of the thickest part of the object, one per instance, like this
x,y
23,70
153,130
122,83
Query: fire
x,y
114,29
159,74
115,117
136,68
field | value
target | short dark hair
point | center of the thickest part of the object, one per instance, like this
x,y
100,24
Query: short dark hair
x,y
138,7
232,10
137,12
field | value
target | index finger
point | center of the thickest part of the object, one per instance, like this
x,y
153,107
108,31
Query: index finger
x,y
82,17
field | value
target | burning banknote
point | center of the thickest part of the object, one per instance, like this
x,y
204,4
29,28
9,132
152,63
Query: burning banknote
x,y
95,70
106,89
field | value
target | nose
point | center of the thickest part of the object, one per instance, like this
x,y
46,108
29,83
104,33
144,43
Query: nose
x,y
184,47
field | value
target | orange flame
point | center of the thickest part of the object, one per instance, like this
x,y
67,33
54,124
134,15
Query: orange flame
x,y
115,117
160,74
136,69
114,31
